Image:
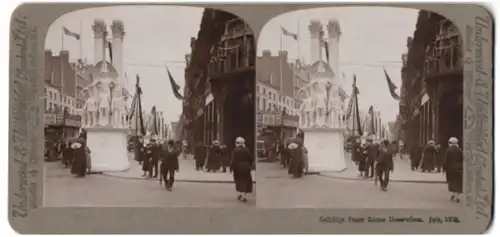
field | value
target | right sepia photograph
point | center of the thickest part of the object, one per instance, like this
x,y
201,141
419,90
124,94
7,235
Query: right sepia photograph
x,y
359,107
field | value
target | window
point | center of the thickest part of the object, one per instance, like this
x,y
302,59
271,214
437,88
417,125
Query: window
x,y
50,106
270,96
50,95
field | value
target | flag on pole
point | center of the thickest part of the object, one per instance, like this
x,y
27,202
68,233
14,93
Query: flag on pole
x,y
110,48
392,87
288,33
350,106
71,33
372,121
139,106
327,53
154,122
357,120
175,86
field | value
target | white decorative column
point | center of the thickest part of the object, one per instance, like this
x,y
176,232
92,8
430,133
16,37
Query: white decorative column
x,y
315,28
118,31
334,33
100,33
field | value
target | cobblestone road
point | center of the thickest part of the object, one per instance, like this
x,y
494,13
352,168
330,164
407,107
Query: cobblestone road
x,y
62,190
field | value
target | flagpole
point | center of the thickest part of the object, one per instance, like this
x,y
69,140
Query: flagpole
x,y
281,85
62,62
298,38
81,38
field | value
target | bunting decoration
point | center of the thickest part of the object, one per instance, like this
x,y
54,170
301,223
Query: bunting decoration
x,y
175,86
154,122
372,121
71,33
392,87
288,33
139,107
355,92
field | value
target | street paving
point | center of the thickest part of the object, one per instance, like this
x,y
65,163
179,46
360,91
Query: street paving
x,y
276,189
187,173
63,190
402,172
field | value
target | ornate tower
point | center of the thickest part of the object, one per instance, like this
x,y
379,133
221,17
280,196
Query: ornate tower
x,y
334,33
118,31
100,34
315,28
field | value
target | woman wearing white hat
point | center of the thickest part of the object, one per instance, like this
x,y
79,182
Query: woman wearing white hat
x,y
453,165
242,163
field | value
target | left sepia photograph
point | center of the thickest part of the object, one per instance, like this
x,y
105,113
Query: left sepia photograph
x,y
140,112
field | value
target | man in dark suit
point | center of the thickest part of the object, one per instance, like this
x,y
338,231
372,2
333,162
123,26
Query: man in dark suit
x,y
155,157
169,164
372,151
385,165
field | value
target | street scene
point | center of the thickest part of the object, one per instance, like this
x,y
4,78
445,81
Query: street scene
x,y
359,107
141,113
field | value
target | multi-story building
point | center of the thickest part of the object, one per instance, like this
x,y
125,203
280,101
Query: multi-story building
x,y
220,82
432,91
60,90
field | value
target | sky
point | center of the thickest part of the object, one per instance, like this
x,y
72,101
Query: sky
x,y
152,40
372,38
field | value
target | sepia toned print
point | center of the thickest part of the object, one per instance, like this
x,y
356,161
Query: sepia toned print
x,y
361,107
197,85
141,113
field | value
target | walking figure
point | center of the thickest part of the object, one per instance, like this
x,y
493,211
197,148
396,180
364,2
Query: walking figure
x,y
241,164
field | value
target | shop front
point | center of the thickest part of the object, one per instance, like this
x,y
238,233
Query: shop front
x,y
59,127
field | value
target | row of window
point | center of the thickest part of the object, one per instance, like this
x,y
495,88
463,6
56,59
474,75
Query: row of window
x,y
52,107
274,97
264,104
53,96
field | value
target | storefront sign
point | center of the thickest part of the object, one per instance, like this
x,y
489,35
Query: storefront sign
x,y
291,121
53,119
268,120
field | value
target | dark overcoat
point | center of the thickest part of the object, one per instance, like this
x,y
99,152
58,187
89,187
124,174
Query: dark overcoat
x,y
241,164
453,164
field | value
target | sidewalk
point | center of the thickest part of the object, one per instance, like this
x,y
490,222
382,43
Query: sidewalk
x,y
402,173
187,173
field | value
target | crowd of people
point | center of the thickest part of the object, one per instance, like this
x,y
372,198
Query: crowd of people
x,y
375,159
162,159
292,154
73,153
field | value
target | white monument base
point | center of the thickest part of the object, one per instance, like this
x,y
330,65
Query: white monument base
x,y
108,149
325,148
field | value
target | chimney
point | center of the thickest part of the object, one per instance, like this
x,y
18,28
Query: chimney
x,y
193,42
266,53
283,55
64,56
409,41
